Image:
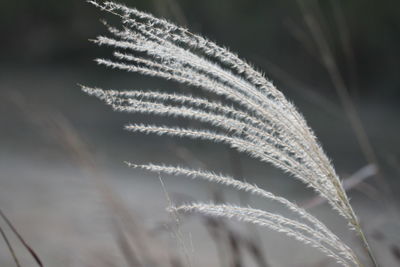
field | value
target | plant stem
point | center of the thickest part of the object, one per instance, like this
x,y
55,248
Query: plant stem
x,y
366,245
357,226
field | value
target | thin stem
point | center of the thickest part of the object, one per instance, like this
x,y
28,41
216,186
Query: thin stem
x,y
366,245
23,242
9,246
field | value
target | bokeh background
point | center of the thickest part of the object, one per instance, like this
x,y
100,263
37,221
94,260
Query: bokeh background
x,y
63,183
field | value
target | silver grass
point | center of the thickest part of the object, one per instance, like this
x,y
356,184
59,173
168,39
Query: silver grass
x,y
261,123
291,228
318,229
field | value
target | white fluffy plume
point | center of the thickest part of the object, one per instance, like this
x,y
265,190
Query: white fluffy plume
x,y
261,121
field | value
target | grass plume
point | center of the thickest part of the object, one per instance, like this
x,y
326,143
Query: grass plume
x,y
261,123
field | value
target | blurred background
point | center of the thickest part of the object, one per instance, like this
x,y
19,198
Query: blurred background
x,y
63,183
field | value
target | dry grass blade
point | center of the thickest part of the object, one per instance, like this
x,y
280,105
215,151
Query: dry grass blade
x,y
10,247
21,239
